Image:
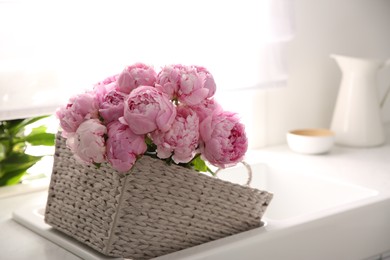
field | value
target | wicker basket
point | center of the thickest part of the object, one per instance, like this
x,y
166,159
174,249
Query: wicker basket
x,y
154,210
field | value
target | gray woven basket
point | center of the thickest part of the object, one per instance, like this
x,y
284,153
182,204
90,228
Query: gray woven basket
x,y
154,210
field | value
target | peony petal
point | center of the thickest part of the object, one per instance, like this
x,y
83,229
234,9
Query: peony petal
x,y
195,97
139,125
205,129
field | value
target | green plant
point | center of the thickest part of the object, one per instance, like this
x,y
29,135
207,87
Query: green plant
x,y
14,162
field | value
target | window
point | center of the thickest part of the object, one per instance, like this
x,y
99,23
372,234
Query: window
x,y
53,49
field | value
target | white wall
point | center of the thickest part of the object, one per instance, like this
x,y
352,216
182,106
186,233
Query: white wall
x,y
349,27
52,49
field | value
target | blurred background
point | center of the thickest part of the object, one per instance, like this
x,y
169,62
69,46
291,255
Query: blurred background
x,y
270,59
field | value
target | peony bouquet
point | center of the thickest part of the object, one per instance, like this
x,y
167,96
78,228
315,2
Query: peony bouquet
x,y
170,115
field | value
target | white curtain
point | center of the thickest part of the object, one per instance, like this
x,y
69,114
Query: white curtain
x,y
50,50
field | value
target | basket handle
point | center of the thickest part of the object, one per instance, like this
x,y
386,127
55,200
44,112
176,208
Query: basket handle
x,y
249,171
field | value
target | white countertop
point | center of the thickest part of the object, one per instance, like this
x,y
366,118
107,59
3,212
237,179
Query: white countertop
x,y
17,242
355,233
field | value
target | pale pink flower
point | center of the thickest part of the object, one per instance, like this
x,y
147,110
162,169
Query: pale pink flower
x,y
181,139
207,108
87,143
134,76
105,86
189,84
208,80
80,107
147,109
112,106
123,146
191,90
168,79
223,139
109,80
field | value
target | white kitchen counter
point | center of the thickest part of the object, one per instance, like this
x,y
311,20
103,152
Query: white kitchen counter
x,y
356,232
17,242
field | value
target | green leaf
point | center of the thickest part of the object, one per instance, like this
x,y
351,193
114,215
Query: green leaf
x,y
40,139
2,151
12,177
169,161
14,167
39,129
16,161
13,161
199,164
151,147
97,165
19,147
11,125
15,126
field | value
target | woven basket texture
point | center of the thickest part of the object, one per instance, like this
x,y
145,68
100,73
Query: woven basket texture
x,y
153,210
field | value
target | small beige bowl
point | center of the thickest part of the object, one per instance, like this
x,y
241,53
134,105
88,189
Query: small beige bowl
x,y
310,141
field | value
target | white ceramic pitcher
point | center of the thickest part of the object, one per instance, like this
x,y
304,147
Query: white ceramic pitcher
x,y
357,117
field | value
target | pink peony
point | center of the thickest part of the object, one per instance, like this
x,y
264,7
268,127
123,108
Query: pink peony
x,y
109,80
112,106
207,108
168,79
147,109
80,107
189,84
191,90
134,76
223,139
181,139
208,80
123,146
103,87
88,142
174,108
